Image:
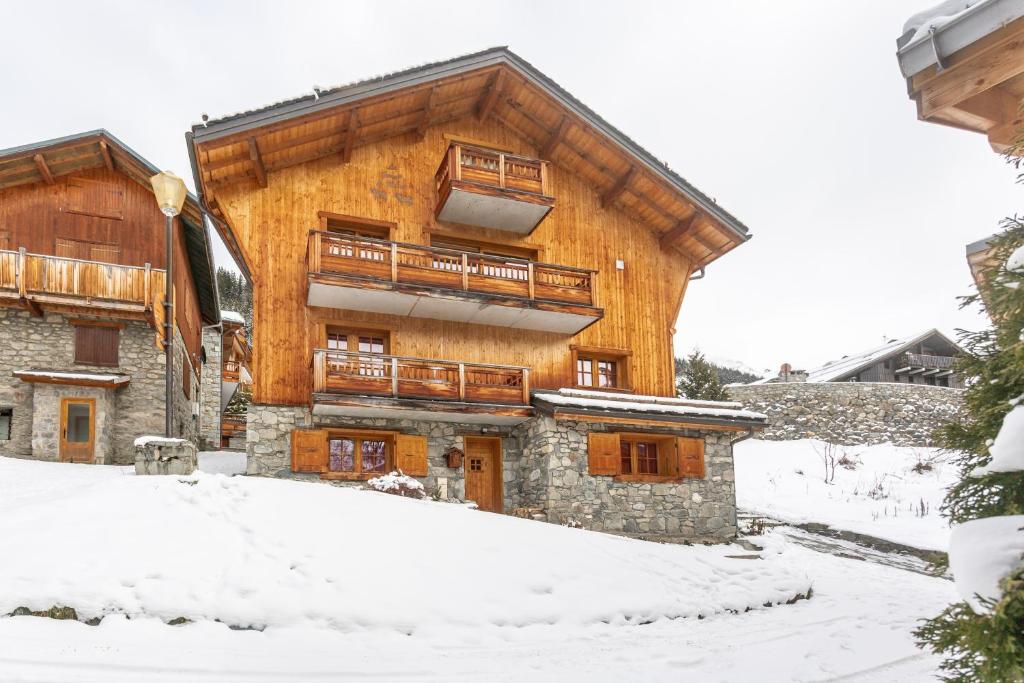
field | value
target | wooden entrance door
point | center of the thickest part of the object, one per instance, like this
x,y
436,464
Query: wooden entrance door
x,y
77,429
483,472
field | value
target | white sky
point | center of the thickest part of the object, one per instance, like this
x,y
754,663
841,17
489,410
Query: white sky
x,y
793,115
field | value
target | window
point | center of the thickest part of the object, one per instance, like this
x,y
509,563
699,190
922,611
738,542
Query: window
x,y
6,417
601,369
644,457
640,457
357,455
353,225
374,343
96,344
94,198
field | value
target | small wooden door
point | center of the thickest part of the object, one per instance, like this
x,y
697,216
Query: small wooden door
x,y
483,472
77,429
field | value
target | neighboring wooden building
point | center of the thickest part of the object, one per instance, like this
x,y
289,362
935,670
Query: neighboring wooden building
x,y
236,379
81,290
926,358
433,250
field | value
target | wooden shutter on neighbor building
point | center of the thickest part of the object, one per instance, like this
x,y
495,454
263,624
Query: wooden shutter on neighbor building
x,y
96,345
411,454
309,450
603,454
691,457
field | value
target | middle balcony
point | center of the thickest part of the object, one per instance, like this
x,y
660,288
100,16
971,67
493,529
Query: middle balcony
x,y
365,274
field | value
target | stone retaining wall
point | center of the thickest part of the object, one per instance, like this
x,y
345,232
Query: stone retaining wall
x,y
852,412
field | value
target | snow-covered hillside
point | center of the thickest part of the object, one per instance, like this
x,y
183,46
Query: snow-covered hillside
x,y
258,552
885,491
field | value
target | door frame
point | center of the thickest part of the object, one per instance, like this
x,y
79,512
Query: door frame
x,y
498,479
62,439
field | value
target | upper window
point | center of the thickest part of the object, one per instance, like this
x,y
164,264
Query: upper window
x,y
353,225
597,372
95,198
96,345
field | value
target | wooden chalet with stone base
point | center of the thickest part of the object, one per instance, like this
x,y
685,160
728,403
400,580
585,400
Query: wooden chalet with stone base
x,y
462,272
82,280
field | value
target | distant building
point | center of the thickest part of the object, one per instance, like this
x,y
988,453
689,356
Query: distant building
x,y
923,359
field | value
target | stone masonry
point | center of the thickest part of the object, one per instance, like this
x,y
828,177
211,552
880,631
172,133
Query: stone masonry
x,y
122,414
209,390
852,412
544,467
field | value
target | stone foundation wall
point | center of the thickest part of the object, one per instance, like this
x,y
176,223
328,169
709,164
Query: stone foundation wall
x,y
209,391
556,478
49,343
852,412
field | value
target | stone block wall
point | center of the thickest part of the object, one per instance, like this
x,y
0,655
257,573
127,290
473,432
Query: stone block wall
x,y
852,412
209,418
49,343
46,420
554,472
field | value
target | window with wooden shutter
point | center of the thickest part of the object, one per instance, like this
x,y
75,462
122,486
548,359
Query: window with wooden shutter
x,y
411,455
309,450
96,345
87,251
94,198
691,457
603,454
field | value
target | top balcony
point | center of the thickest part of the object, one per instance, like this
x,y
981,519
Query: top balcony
x,y
477,186
927,362
378,276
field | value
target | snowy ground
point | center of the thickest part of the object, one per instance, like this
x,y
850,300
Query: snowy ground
x,y
879,494
222,462
415,589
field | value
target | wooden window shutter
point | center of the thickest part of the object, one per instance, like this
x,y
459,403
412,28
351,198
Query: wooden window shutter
x,y
309,450
96,345
603,455
411,455
669,456
691,457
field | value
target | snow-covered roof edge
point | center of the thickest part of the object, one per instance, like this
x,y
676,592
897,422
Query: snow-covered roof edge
x,y
232,317
718,412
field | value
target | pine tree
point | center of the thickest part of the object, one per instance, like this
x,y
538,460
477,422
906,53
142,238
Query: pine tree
x,y
987,647
235,295
700,380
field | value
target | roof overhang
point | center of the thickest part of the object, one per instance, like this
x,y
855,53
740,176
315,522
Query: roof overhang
x,y
80,379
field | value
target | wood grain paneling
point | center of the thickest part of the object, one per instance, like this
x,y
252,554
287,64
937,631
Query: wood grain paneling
x,y
392,181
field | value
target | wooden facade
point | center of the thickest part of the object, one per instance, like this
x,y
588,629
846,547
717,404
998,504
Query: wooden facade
x,y
617,233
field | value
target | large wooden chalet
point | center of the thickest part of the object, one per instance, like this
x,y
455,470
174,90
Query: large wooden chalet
x,y
82,256
459,270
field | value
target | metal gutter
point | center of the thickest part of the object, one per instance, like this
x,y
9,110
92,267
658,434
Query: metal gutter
x,y
214,129
974,23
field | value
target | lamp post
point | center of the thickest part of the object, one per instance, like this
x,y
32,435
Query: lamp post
x,y
170,196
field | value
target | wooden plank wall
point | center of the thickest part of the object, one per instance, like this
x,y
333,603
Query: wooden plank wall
x,y
37,215
392,181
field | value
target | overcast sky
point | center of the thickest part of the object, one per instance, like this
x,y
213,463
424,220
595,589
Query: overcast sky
x,y
793,115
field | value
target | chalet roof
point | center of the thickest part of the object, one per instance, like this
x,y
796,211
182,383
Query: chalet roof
x,y
43,161
847,366
639,181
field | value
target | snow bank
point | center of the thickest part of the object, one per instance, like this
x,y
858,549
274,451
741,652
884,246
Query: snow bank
x,y
982,552
254,551
882,497
143,441
1008,448
222,462
394,482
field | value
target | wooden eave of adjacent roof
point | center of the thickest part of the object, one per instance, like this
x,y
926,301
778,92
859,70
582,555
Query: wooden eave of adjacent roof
x,y
979,89
43,162
244,148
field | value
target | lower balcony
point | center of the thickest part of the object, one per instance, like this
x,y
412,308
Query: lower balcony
x,y
355,384
39,282
378,276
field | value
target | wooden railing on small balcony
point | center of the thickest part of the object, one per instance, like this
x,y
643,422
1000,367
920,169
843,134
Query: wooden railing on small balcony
x,y
232,425
57,278
923,360
230,371
363,257
493,169
348,372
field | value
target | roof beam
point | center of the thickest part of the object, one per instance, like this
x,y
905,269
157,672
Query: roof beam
x,y
108,160
428,109
257,162
556,137
43,169
350,136
683,227
490,98
618,188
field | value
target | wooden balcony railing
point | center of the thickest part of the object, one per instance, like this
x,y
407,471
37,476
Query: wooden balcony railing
x,y
921,360
35,277
492,169
363,257
348,372
229,372
232,425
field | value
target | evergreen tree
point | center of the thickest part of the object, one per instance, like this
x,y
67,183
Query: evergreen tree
x,y
987,647
235,295
700,380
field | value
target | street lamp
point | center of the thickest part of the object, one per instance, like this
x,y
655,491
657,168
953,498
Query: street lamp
x,y
170,196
